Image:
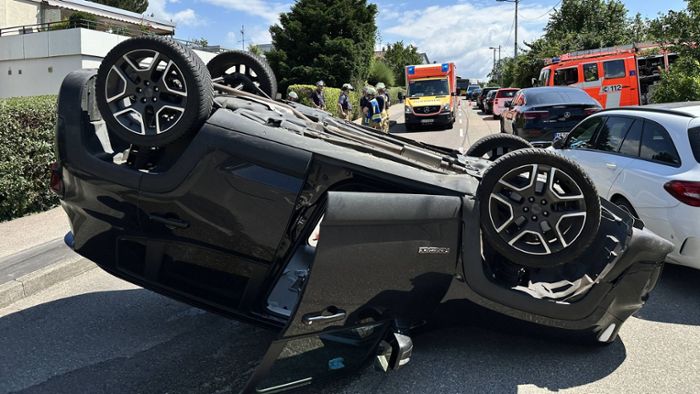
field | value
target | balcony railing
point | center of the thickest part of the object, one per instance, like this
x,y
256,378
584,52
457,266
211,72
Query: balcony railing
x,y
143,30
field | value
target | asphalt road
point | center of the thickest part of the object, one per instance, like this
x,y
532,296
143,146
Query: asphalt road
x,y
98,334
469,126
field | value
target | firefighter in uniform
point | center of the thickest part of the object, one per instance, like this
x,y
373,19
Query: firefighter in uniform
x,y
373,112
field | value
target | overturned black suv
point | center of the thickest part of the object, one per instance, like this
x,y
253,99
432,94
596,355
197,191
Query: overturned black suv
x,y
189,180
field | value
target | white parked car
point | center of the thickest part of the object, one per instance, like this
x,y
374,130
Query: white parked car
x,y
503,96
647,160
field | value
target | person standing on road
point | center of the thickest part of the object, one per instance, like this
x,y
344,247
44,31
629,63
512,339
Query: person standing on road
x,y
365,105
373,112
383,101
317,96
344,104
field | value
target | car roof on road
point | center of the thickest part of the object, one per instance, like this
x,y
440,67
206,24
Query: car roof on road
x,y
688,108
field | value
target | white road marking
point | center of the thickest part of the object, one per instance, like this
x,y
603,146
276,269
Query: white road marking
x,y
461,132
460,120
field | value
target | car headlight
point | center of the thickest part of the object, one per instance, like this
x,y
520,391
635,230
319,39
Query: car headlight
x,y
407,109
446,108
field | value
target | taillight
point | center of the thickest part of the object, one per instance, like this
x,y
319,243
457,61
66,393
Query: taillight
x,y
591,111
532,115
56,183
685,192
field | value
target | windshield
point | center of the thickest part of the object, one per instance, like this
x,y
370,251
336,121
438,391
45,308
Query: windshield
x,y
432,87
462,84
544,77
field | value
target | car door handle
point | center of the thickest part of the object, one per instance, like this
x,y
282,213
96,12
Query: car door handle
x,y
611,166
328,315
171,223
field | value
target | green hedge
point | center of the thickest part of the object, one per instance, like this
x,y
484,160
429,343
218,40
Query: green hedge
x,y
332,94
26,151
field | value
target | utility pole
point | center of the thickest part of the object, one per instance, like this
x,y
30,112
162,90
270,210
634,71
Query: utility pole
x,y
242,40
493,73
515,50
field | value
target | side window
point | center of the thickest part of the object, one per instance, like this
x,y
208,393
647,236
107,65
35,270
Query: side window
x,y
566,76
544,77
612,134
657,145
582,136
590,72
614,69
630,146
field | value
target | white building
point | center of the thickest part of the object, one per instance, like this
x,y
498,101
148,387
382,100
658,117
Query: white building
x,y
39,46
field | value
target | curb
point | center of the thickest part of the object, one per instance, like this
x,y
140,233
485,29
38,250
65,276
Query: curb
x,y
43,278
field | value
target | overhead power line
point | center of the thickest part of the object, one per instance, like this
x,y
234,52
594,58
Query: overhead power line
x,y
539,17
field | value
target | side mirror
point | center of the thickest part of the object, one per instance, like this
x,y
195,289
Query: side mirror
x,y
558,143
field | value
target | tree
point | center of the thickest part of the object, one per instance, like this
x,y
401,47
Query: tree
x,y
380,72
331,40
397,56
255,50
137,6
577,25
679,32
200,42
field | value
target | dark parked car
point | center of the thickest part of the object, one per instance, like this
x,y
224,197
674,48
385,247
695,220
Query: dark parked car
x,y
488,102
541,114
471,89
340,237
482,96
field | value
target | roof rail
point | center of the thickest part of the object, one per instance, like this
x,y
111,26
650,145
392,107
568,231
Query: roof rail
x,y
669,111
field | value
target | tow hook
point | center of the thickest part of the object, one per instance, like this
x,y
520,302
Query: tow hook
x,y
393,352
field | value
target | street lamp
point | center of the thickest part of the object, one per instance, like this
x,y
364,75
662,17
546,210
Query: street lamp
x,y
515,51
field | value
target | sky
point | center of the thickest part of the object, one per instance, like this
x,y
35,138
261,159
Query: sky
x,y
447,30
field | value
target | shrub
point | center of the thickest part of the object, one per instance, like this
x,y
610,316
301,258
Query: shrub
x,y
680,83
394,94
82,19
26,150
380,72
332,94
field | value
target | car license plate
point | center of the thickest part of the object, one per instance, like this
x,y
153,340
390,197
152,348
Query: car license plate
x,y
427,120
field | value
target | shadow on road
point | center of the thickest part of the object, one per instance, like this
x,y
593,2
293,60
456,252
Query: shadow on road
x,y
126,341
676,298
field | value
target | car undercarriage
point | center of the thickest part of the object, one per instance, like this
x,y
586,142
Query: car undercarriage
x,y
342,238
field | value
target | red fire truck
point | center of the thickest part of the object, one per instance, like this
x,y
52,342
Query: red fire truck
x,y
616,76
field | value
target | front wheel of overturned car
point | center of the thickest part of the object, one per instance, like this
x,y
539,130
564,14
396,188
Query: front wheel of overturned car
x,y
152,90
537,208
494,146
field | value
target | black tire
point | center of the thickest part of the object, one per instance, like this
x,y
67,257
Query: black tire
x,y
497,145
153,104
540,224
249,72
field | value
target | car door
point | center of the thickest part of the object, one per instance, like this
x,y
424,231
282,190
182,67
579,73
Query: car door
x,y
602,159
382,264
213,222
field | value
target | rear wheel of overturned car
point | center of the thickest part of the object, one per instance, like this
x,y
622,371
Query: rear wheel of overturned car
x,y
244,71
494,146
537,208
153,90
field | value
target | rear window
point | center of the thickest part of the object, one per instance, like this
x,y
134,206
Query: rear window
x,y
545,96
694,135
614,69
658,146
506,93
566,76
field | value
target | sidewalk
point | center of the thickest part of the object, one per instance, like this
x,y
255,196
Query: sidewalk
x,y
33,255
